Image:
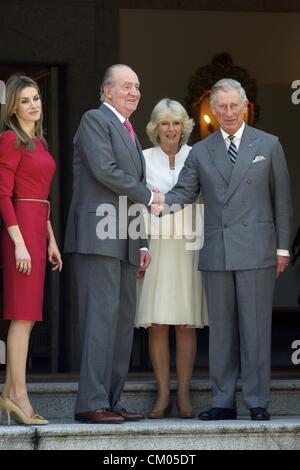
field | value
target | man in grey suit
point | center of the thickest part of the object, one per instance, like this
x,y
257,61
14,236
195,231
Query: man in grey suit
x,y
108,164
242,175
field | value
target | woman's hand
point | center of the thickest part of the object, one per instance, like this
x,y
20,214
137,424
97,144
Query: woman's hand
x,y
54,256
23,259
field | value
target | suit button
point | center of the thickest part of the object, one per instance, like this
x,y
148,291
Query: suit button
x,y
245,224
225,205
219,186
225,226
249,181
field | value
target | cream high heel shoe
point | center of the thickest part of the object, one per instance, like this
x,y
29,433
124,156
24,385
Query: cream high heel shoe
x,y
185,413
18,414
162,413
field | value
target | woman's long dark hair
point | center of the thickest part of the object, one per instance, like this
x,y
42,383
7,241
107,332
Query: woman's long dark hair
x,y
8,118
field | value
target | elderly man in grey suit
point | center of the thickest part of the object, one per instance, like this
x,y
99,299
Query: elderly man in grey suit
x,y
242,175
108,163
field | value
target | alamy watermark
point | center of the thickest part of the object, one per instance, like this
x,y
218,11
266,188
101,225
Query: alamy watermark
x,y
295,358
2,352
296,94
135,222
2,92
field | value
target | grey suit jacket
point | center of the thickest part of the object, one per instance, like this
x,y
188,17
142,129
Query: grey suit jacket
x,y
248,208
106,165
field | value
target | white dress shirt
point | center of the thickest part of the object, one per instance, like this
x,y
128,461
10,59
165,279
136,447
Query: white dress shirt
x,y
119,116
237,136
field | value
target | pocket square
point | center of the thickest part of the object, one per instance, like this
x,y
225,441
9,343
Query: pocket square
x,y
259,158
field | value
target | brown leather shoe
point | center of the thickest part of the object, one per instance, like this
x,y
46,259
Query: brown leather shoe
x,y
129,416
101,416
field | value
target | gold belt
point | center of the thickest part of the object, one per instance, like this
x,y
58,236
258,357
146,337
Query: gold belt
x,y
44,201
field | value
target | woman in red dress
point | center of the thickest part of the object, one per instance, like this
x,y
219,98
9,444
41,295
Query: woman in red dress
x,y
26,172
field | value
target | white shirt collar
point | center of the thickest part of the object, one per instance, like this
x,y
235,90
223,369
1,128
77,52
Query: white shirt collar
x,y
238,134
119,116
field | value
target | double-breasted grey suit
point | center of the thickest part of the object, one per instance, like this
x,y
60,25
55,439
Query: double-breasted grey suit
x,y
106,165
247,218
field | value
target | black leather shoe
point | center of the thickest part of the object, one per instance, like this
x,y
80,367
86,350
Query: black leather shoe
x,y
259,414
217,414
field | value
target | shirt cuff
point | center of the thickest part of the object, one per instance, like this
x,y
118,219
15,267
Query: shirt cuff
x,y
283,252
144,248
151,199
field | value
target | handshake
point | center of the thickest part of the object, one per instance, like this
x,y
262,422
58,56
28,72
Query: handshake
x,y
158,201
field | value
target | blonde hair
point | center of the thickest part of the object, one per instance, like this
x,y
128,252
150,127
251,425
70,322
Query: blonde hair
x,y
8,119
167,107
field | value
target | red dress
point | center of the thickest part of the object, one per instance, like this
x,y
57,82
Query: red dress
x,y
24,174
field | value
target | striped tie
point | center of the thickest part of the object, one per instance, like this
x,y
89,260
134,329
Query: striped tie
x,y
232,150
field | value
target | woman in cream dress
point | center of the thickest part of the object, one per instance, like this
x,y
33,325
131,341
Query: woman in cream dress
x,y
171,291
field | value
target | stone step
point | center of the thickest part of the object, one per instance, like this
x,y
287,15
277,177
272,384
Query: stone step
x,y
169,434
57,400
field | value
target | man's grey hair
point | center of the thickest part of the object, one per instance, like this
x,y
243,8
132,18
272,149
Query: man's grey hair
x,y
108,77
226,84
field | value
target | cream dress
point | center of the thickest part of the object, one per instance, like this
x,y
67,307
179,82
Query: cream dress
x,y
171,292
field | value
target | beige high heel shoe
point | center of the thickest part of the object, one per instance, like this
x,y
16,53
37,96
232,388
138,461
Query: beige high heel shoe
x,y
162,413
185,414
18,414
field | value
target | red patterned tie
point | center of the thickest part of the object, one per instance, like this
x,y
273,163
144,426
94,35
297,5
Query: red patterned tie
x,y
129,127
